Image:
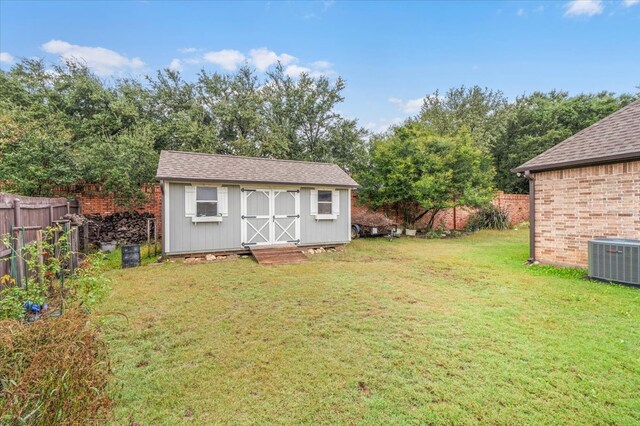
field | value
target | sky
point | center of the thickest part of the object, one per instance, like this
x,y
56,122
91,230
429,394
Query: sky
x,y
391,54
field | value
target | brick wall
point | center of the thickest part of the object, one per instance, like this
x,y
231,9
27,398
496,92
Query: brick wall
x,y
92,202
576,205
516,205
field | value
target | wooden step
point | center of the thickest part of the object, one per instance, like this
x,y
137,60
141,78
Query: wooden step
x,y
278,255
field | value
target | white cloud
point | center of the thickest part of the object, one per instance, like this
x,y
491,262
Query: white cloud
x,y
322,64
520,12
295,70
263,58
6,57
413,105
409,107
102,61
584,8
188,50
629,3
226,58
175,65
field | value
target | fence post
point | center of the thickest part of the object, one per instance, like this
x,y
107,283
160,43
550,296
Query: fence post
x,y
68,208
155,237
17,243
73,244
85,237
17,216
39,238
148,237
16,234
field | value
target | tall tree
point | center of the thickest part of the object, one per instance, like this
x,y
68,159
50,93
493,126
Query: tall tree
x,y
416,173
67,125
539,121
480,110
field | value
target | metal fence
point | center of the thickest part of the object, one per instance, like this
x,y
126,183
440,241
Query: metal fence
x,y
30,214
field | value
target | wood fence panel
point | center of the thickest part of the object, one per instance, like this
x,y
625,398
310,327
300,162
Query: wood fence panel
x,y
33,212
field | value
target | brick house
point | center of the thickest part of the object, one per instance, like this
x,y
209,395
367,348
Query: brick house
x,y
588,186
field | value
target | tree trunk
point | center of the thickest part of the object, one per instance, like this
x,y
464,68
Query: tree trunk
x,y
432,219
420,216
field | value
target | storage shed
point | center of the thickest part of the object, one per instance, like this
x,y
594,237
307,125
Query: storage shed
x,y
214,203
586,187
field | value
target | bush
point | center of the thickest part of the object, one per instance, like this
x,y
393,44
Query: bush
x,y
53,371
489,217
85,287
13,298
89,284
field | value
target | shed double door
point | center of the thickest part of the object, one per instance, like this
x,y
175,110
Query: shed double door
x,y
270,216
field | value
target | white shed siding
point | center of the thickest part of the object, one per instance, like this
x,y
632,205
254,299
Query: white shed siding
x,y
188,237
184,236
314,231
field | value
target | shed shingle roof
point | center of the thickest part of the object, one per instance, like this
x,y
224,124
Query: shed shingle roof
x,y
193,166
612,139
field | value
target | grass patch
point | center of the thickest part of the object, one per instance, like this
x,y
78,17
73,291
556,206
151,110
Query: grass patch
x,y
406,332
553,271
53,372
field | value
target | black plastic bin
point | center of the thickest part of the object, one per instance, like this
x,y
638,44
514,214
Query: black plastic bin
x,y
131,256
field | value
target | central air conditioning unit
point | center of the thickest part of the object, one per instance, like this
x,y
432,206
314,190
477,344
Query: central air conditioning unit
x,y
615,259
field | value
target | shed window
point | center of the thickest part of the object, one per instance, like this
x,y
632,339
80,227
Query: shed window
x,y
325,202
206,201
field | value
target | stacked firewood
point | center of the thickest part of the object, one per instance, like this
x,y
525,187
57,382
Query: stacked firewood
x,y
126,227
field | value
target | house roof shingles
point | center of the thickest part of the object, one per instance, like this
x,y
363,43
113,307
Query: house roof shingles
x,y
612,139
193,166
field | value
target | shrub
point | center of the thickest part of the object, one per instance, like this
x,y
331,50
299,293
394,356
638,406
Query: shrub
x,y
89,284
85,287
489,217
53,371
13,298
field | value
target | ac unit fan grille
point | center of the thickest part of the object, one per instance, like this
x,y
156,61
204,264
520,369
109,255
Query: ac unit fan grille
x,y
615,260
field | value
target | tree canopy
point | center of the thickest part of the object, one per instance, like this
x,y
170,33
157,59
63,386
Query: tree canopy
x,y
415,172
62,124
514,132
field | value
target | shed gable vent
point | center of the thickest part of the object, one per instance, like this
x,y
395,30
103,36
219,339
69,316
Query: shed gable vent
x,y
615,259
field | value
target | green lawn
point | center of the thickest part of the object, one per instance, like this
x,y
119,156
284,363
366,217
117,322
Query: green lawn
x,y
403,332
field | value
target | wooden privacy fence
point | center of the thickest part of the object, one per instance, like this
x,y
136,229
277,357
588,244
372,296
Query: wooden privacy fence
x,y
30,215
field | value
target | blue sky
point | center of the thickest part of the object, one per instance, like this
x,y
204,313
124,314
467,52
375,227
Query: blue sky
x,y
391,54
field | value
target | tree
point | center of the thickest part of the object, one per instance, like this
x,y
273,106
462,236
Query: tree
x,y
177,115
33,163
122,164
235,106
416,172
539,121
300,114
480,111
66,125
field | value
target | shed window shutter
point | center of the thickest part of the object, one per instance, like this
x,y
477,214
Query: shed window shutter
x,y
223,201
313,208
189,201
335,202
